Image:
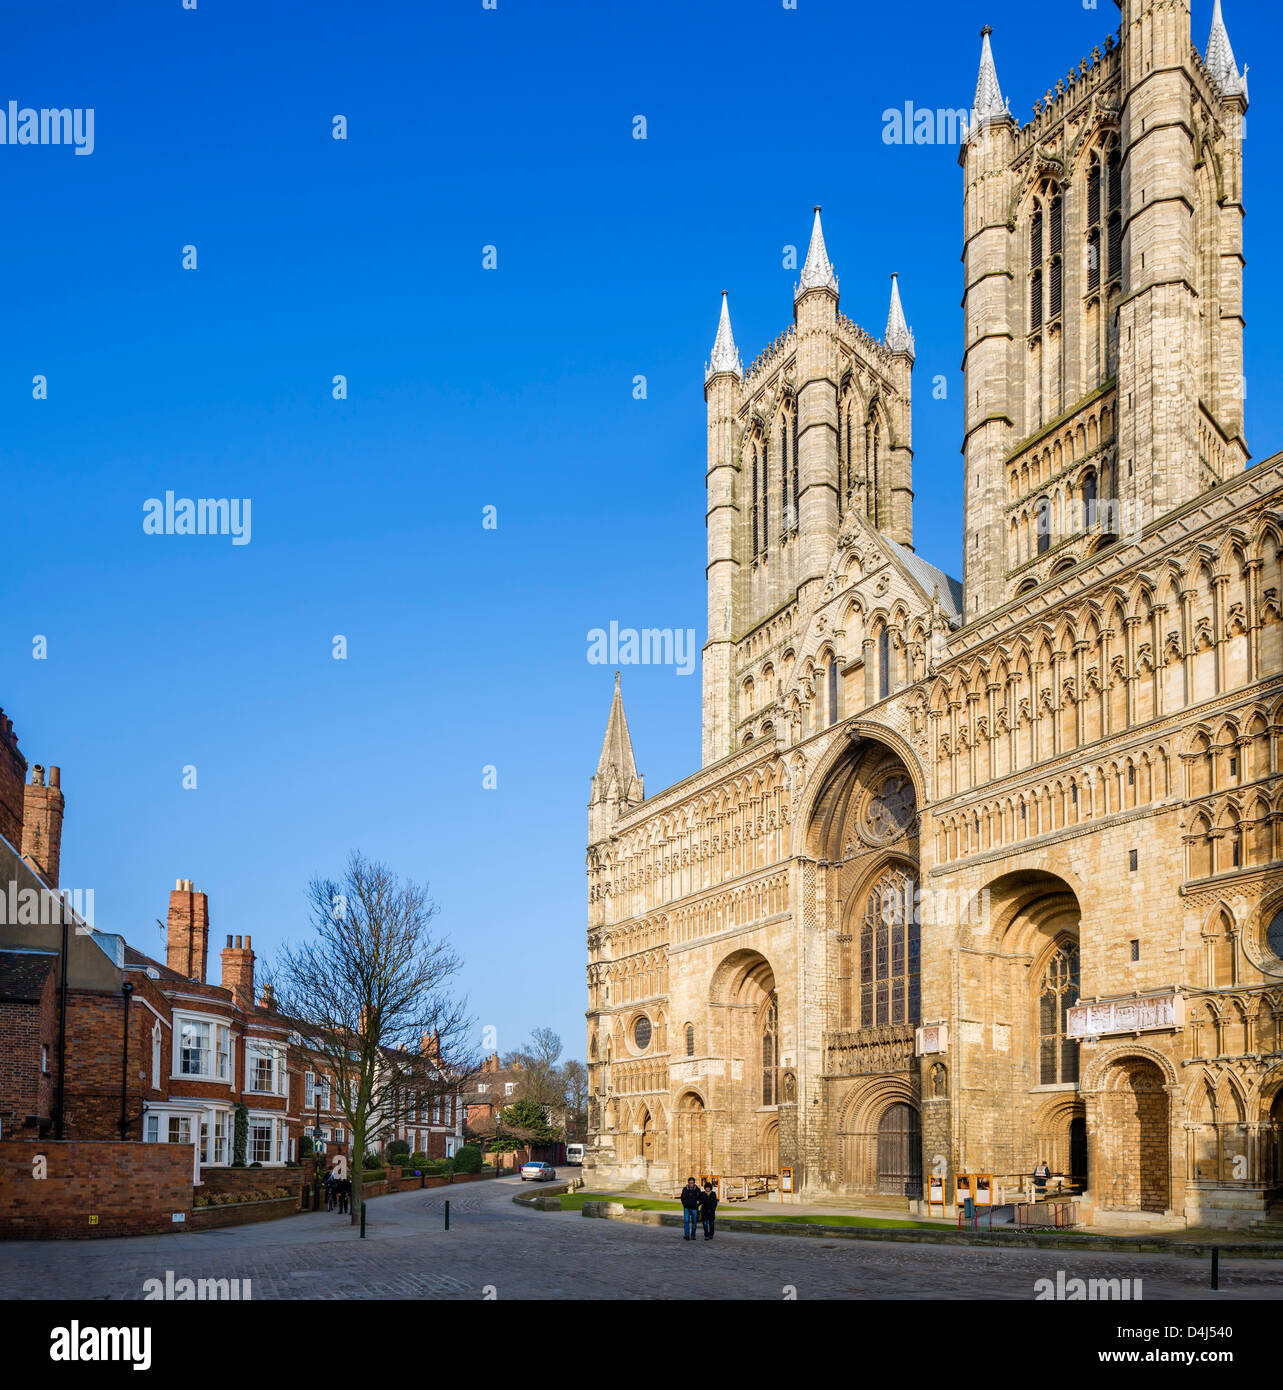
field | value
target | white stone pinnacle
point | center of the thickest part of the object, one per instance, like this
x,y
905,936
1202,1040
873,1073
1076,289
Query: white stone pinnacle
x,y
725,356
1220,58
988,104
818,271
898,337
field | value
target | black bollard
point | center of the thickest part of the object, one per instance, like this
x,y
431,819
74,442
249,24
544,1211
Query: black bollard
x,y
447,1214
362,1220
1216,1266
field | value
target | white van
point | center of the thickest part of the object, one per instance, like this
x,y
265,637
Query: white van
x,y
575,1155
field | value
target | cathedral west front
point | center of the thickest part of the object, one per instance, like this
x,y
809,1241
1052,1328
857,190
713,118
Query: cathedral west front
x,y
981,872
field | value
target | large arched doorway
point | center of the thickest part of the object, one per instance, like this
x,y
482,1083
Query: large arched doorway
x,y
900,1151
691,1137
1133,1153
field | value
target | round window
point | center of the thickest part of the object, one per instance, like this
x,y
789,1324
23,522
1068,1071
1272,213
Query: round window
x,y
641,1033
1274,935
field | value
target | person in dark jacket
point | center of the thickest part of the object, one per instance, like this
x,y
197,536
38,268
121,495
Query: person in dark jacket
x,y
708,1209
329,1190
345,1194
690,1208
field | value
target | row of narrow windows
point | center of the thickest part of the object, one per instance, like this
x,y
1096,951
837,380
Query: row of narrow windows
x,y
851,478
788,495
1047,236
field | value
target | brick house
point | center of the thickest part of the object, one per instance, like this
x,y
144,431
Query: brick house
x,y
427,1111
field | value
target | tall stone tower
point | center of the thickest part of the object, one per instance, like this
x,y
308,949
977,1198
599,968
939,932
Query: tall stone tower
x,y
42,811
1102,300
819,428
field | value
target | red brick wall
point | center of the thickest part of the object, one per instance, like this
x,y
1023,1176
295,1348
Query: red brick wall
x,y
13,779
95,1046
215,1180
23,1089
133,1189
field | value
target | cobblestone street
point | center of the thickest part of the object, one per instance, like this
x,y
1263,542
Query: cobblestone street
x,y
497,1249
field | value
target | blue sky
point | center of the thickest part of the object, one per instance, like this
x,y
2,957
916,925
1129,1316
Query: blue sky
x,y
468,387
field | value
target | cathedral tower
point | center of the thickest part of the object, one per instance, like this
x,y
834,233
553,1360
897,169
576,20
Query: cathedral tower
x,y
1102,300
819,428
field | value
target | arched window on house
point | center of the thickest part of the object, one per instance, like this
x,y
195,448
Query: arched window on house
x,y
1057,994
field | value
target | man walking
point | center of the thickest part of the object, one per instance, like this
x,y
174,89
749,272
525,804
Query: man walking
x,y
690,1208
708,1209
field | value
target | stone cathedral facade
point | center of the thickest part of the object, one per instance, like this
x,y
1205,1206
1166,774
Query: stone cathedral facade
x,y
977,874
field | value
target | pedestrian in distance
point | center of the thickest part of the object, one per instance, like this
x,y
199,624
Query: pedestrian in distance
x,y
690,1208
708,1209
1041,1174
329,1191
345,1195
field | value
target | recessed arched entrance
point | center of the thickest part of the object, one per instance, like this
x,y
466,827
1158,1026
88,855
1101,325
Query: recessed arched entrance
x,y
769,1147
691,1135
647,1137
1133,1150
900,1151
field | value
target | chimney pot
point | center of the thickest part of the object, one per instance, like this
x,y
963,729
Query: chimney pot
x,y
229,941
55,776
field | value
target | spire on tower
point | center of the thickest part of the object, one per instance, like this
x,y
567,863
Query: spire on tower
x,y
988,104
616,779
899,337
726,356
817,273
1220,58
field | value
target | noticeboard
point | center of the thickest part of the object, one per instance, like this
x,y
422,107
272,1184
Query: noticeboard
x,y
984,1189
962,1184
786,1180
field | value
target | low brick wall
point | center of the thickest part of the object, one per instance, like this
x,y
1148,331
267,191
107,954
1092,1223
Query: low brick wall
x,y
131,1188
215,1181
241,1213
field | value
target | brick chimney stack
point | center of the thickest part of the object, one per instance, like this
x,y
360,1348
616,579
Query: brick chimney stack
x,y
431,1045
13,775
42,808
188,931
238,971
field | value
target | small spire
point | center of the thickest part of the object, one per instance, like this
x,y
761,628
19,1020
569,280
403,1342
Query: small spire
x,y
898,337
988,104
1220,58
725,358
817,273
616,768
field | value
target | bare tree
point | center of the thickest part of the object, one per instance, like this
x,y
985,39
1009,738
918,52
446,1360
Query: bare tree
x,y
367,990
538,1058
574,1088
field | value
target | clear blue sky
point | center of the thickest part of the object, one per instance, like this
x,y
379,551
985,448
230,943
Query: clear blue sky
x,y
511,387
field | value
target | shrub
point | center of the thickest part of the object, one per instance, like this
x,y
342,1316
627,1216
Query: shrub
x,y
421,1161
468,1159
305,1147
398,1148
369,1160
